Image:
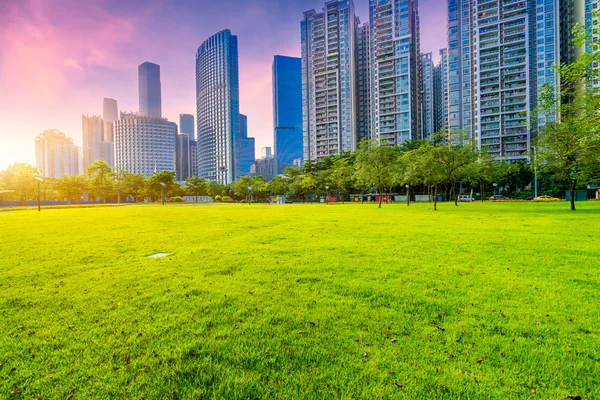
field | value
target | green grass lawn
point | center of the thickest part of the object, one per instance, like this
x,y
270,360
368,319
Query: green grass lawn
x,y
301,301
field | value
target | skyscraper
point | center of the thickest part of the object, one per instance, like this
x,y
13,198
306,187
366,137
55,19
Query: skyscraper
x,y
183,162
329,79
217,103
110,114
149,90
461,60
287,111
394,28
247,150
428,109
193,158
266,152
145,144
186,125
364,83
56,155
440,93
505,77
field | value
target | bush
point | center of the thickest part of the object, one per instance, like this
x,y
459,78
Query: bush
x,y
176,199
522,195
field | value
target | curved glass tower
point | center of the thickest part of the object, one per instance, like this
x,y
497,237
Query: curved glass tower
x,y
217,106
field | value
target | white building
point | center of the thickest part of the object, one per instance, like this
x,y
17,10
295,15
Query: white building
x,y
145,144
56,155
329,80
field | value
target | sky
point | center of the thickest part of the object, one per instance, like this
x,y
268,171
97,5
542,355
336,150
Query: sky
x,y
60,58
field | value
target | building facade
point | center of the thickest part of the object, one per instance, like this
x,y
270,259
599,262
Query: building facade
x,y
428,110
183,164
144,145
110,113
364,82
396,65
329,80
287,111
217,105
95,146
440,93
504,78
149,90
193,158
56,155
247,148
186,125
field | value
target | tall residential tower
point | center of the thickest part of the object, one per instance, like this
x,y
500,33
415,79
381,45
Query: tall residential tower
x,y
329,79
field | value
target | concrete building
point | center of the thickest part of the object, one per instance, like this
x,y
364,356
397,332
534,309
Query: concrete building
x,y
264,167
56,155
397,90
365,82
287,110
440,93
428,109
504,93
95,146
110,113
150,90
144,145
329,80
246,147
186,125
218,105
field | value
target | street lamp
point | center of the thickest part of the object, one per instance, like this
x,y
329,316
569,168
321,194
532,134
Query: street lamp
x,y
162,184
495,185
39,180
327,194
407,186
249,194
535,182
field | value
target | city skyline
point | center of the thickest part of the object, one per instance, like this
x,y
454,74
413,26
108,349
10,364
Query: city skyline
x,y
69,73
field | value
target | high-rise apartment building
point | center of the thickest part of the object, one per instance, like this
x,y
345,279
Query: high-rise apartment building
x,y
217,103
287,111
266,152
56,155
461,62
95,146
183,164
394,28
505,77
186,125
150,90
144,145
246,147
440,93
329,79
364,76
428,109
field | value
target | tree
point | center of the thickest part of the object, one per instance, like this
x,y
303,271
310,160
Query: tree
x,y
195,186
20,178
72,187
277,186
375,165
134,185
215,189
568,143
423,166
260,188
482,172
168,178
240,187
342,176
307,185
100,175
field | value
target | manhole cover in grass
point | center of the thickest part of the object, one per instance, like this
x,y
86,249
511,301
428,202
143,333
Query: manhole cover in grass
x,y
158,255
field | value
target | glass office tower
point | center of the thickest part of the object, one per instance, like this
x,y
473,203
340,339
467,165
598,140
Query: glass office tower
x,y
287,111
149,90
218,104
